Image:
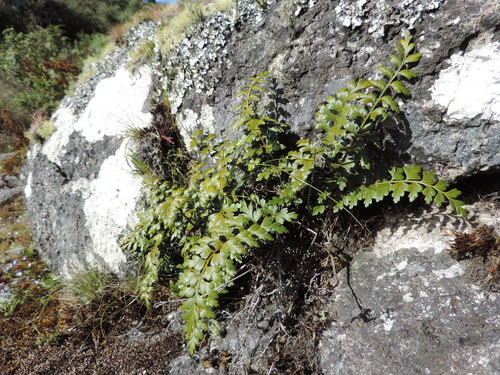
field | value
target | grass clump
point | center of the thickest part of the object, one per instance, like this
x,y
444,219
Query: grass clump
x,y
91,286
143,54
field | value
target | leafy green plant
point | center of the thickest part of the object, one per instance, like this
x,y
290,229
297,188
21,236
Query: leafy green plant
x,y
241,194
35,70
40,132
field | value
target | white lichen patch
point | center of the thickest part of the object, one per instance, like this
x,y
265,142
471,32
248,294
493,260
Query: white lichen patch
x,y
387,321
450,273
470,86
110,208
189,121
389,12
390,240
398,268
408,298
54,147
402,265
118,104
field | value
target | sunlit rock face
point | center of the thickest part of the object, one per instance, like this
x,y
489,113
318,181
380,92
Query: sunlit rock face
x,y
83,197
450,123
408,307
311,48
80,188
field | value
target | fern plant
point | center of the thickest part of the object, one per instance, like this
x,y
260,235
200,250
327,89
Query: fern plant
x,y
242,194
345,165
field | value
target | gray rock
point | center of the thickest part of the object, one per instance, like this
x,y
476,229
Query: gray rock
x,y
407,307
312,49
10,186
80,189
247,338
313,53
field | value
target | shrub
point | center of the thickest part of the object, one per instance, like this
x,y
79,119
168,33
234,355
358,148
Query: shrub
x,y
36,68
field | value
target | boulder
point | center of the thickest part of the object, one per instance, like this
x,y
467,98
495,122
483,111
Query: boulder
x,y
80,189
79,186
408,307
313,48
405,306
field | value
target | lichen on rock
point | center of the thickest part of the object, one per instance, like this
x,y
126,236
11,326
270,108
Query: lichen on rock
x,y
378,15
470,74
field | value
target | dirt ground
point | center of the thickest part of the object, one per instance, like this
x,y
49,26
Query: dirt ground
x,y
41,333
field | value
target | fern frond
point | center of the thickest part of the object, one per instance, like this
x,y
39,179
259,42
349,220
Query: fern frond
x,y
210,262
410,181
152,268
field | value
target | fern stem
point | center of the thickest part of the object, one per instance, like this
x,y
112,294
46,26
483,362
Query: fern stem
x,y
322,193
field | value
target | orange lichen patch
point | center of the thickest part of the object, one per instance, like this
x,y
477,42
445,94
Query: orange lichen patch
x,y
480,242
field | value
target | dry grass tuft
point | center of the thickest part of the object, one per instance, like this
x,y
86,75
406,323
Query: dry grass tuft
x,y
480,242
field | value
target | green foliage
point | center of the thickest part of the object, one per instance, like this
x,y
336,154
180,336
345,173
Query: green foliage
x,y
244,193
75,16
41,132
41,63
408,180
86,286
38,60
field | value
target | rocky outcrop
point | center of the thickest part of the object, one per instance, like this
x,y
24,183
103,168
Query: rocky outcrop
x,y
312,49
405,306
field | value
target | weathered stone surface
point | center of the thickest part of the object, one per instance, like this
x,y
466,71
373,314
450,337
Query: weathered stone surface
x,y
107,66
10,186
246,339
407,307
80,189
312,50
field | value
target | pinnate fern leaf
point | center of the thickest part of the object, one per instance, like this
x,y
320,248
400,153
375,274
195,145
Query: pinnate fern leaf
x,y
410,181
